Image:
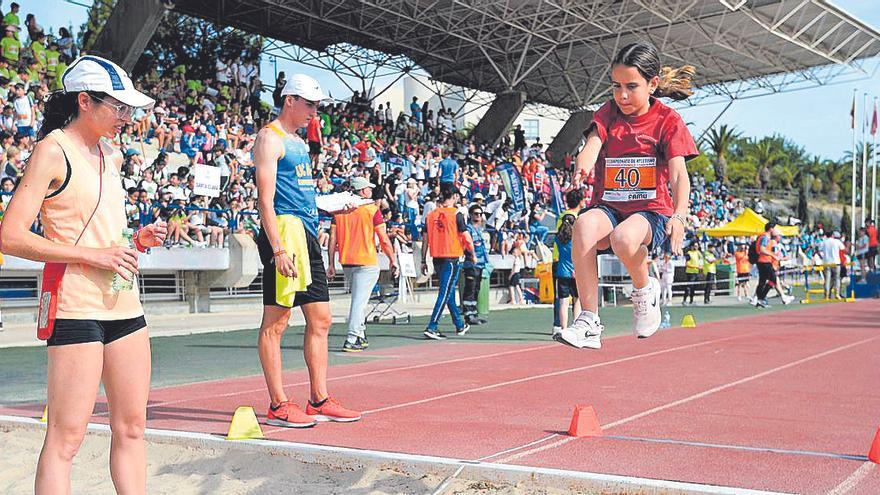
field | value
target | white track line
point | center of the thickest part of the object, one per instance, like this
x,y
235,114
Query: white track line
x,y
308,451
530,378
547,375
690,398
345,377
854,479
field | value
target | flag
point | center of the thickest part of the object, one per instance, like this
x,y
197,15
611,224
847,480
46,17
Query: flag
x,y
874,120
555,193
513,184
852,113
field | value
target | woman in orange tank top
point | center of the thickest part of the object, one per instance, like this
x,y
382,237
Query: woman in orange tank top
x,y
99,332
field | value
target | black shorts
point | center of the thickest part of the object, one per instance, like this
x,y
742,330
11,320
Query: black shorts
x,y
566,287
872,252
315,292
69,331
314,148
514,280
742,278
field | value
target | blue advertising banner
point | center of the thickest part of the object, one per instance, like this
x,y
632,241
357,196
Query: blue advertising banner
x,y
555,193
513,184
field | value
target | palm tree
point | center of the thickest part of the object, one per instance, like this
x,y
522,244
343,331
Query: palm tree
x,y
765,154
720,141
835,175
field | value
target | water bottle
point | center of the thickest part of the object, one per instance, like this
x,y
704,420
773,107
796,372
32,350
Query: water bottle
x,y
666,320
120,284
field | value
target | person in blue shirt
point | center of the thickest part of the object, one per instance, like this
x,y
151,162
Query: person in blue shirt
x,y
563,273
448,168
473,269
416,109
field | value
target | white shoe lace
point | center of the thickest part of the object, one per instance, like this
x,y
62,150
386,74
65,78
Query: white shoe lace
x,y
586,324
640,307
640,302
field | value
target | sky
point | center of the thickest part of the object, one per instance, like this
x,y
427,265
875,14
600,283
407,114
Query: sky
x,y
817,119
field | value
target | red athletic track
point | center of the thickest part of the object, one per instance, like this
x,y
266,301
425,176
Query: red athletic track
x,y
805,381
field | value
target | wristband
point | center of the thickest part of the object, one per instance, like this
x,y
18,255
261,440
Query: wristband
x,y
137,243
680,219
279,252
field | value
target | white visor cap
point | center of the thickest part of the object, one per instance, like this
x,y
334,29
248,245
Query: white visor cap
x,y
305,87
91,73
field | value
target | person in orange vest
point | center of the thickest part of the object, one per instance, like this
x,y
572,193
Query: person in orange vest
x,y
766,272
353,236
448,238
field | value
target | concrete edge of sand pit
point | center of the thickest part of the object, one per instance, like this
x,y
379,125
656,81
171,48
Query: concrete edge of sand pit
x,y
413,465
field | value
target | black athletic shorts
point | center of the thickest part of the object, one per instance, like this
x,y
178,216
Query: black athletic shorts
x,y
104,331
314,148
566,287
315,292
514,280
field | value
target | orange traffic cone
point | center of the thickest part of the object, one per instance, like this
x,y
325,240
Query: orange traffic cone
x,y
584,422
874,453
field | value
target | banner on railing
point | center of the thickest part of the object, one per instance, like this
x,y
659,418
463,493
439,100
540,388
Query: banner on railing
x,y
207,181
555,193
513,184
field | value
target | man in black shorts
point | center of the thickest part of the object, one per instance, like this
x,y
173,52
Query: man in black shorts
x,y
288,211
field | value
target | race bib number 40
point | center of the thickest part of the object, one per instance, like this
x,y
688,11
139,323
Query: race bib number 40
x,y
632,178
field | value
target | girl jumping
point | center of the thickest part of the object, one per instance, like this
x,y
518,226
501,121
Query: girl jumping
x,y
639,147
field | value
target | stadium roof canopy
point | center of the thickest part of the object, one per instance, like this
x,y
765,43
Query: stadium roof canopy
x,y
558,51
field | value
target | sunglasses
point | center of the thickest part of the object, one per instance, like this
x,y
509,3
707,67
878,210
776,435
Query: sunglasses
x,y
310,104
123,111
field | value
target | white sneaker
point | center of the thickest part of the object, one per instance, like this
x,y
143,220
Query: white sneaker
x,y
646,309
753,300
585,331
786,299
556,330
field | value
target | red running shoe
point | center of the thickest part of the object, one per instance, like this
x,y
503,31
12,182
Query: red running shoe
x,y
289,415
332,410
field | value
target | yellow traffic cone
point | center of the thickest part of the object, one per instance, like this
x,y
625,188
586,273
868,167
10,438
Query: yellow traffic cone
x,y
244,425
688,322
45,415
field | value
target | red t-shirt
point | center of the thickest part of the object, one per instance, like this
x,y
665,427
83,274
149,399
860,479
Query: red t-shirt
x,y
362,147
872,236
632,171
313,131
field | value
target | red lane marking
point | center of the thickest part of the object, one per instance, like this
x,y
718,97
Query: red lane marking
x,y
547,375
353,375
685,400
537,377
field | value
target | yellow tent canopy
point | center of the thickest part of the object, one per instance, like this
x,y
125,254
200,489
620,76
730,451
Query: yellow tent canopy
x,y
748,224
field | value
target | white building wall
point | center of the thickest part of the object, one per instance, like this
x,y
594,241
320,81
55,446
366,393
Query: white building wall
x,y
400,95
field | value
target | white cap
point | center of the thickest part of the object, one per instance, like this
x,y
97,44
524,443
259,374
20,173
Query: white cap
x,y
91,73
303,86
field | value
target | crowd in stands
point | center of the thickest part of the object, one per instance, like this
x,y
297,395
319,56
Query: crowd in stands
x,y
407,152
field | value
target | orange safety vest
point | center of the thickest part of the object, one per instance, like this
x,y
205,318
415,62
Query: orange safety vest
x,y
763,258
444,239
355,236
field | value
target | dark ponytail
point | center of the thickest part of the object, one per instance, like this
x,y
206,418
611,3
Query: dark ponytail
x,y
674,83
60,110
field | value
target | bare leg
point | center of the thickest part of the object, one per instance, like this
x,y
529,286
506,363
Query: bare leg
x,y
127,382
74,372
629,242
563,312
590,234
272,328
318,321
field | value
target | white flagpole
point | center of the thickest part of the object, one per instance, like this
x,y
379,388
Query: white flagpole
x,y
874,170
852,210
864,164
